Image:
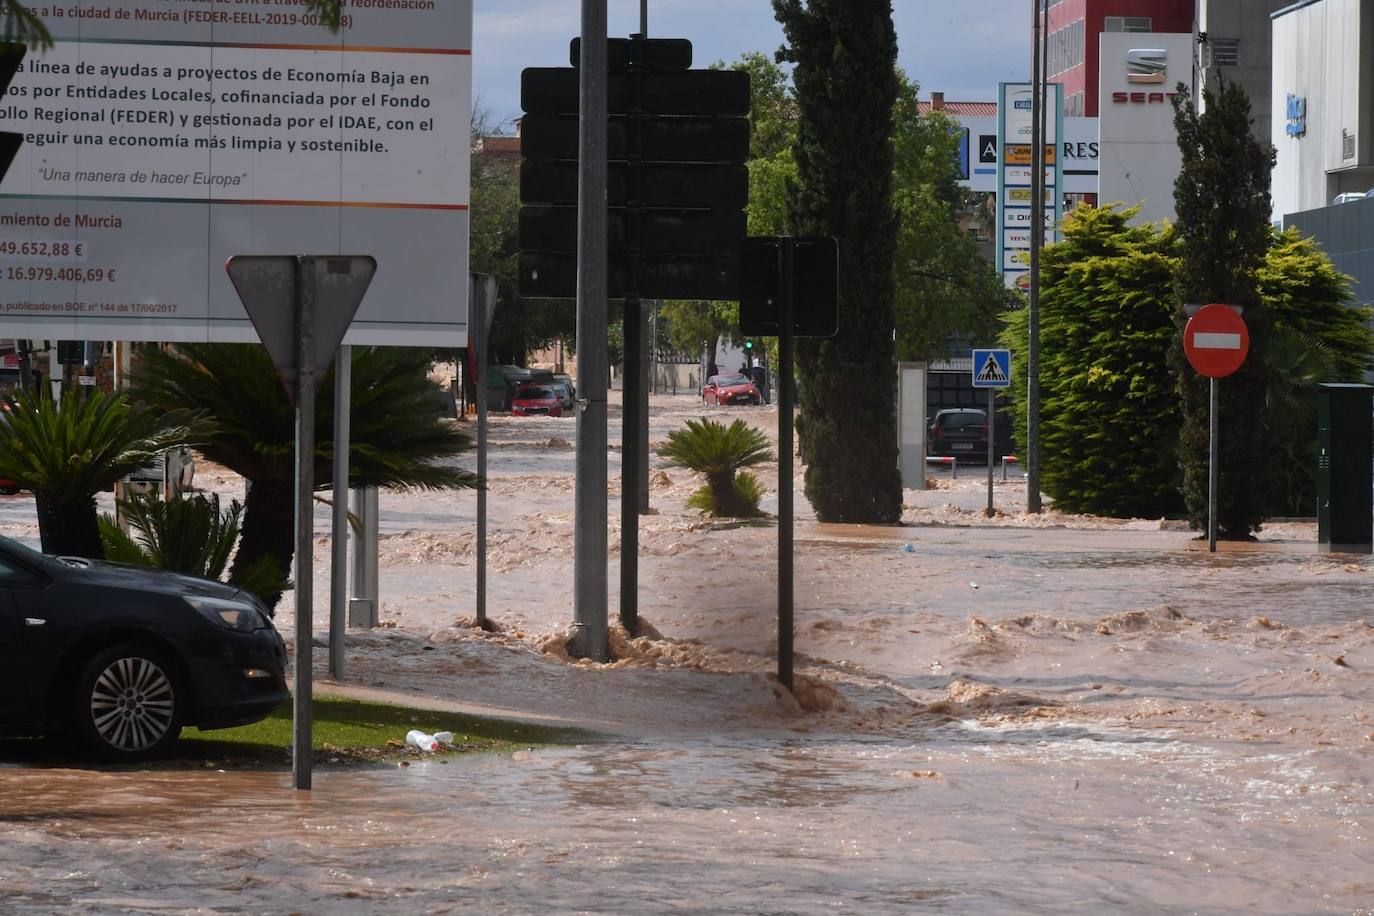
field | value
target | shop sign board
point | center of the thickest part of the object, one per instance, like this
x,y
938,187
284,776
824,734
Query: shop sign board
x,y
1016,211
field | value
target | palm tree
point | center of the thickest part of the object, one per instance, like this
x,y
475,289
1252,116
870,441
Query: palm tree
x,y
67,452
188,534
398,431
717,451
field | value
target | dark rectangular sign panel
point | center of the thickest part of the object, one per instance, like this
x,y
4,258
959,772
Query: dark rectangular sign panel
x,y
555,90
661,184
815,287
554,229
554,276
662,139
654,53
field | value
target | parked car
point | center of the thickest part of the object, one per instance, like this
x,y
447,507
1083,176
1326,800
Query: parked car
x,y
960,432
121,657
536,401
567,393
503,382
7,487
734,388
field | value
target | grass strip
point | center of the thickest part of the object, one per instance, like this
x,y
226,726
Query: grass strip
x,y
348,730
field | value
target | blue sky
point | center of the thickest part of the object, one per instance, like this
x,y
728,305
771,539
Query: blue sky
x,y
960,47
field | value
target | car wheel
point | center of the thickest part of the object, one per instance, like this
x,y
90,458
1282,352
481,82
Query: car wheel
x,y
129,704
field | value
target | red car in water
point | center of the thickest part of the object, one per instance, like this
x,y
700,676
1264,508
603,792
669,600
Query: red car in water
x,y
734,388
536,401
7,487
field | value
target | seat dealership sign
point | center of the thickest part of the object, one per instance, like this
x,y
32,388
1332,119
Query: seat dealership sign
x,y
1139,75
163,137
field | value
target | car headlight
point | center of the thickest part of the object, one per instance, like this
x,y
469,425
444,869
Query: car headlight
x,y
232,615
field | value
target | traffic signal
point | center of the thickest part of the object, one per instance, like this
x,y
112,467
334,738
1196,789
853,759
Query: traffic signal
x,y
11,56
748,346
677,183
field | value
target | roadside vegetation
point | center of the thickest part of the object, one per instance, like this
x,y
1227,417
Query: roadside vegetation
x,y
358,731
189,534
399,435
721,453
69,451
345,732
1111,412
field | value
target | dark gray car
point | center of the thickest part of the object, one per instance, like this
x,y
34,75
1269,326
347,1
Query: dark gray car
x,y
122,657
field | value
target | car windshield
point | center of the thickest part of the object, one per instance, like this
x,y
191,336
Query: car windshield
x,y
537,394
725,381
20,551
961,420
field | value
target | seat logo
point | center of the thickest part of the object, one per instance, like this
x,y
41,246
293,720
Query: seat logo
x,y
1146,65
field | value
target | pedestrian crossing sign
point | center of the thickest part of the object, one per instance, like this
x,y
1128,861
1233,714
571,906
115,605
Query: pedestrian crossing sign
x,y
991,368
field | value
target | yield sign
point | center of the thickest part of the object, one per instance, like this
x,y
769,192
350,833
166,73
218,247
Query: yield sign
x,y
273,288
1216,340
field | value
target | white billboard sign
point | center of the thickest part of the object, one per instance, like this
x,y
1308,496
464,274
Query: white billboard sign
x,y
1079,148
163,137
1016,209
1139,77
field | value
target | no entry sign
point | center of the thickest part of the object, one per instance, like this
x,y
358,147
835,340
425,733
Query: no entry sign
x,y
1216,340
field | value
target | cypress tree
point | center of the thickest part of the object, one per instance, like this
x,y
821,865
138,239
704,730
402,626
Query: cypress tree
x,y
1109,408
1223,206
846,81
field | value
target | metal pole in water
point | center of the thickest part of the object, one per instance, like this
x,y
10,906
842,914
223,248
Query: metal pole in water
x,y
478,339
338,547
785,494
301,753
1037,227
992,435
591,638
1212,465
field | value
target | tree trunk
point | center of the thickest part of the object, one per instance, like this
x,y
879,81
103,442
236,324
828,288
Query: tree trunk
x,y
269,529
726,501
67,526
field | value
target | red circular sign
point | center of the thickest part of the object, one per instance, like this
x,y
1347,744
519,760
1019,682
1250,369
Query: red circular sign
x,y
1216,340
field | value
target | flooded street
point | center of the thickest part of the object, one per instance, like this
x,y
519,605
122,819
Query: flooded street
x,y
1023,714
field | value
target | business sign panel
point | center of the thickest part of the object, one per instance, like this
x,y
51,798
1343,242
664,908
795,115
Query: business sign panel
x,y
1078,150
1017,211
163,137
1139,75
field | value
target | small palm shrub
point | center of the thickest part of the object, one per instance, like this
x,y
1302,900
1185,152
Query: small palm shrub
x,y
719,452
67,452
190,535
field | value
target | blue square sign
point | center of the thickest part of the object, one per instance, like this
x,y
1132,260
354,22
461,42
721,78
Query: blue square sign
x,y
991,368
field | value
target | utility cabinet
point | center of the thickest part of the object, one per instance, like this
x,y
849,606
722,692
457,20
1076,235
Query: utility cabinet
x,y
1345,484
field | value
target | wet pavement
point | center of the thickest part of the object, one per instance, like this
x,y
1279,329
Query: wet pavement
x,y
1024,714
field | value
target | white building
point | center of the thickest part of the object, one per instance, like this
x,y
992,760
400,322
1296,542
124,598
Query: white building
x,y
1322,113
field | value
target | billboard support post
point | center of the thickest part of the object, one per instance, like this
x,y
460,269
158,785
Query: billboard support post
x,y
301,753
338,546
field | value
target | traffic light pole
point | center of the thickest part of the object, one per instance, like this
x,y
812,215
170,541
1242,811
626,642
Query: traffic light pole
x,y
786,309
633,413
591,638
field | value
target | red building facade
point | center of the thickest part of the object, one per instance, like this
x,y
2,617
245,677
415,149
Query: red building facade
x,y
1073,29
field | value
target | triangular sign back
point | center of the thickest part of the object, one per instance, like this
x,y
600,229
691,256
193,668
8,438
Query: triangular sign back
x,y
268,287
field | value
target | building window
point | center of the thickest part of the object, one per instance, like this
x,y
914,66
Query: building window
x,y
1225,52
1128,24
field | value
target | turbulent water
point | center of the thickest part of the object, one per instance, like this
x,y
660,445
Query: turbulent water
x,y
1043,714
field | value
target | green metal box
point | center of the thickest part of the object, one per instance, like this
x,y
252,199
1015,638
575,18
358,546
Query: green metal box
x,y
1345,484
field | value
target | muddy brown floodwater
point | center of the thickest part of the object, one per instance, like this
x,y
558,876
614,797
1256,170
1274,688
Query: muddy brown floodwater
x,y
1023,714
